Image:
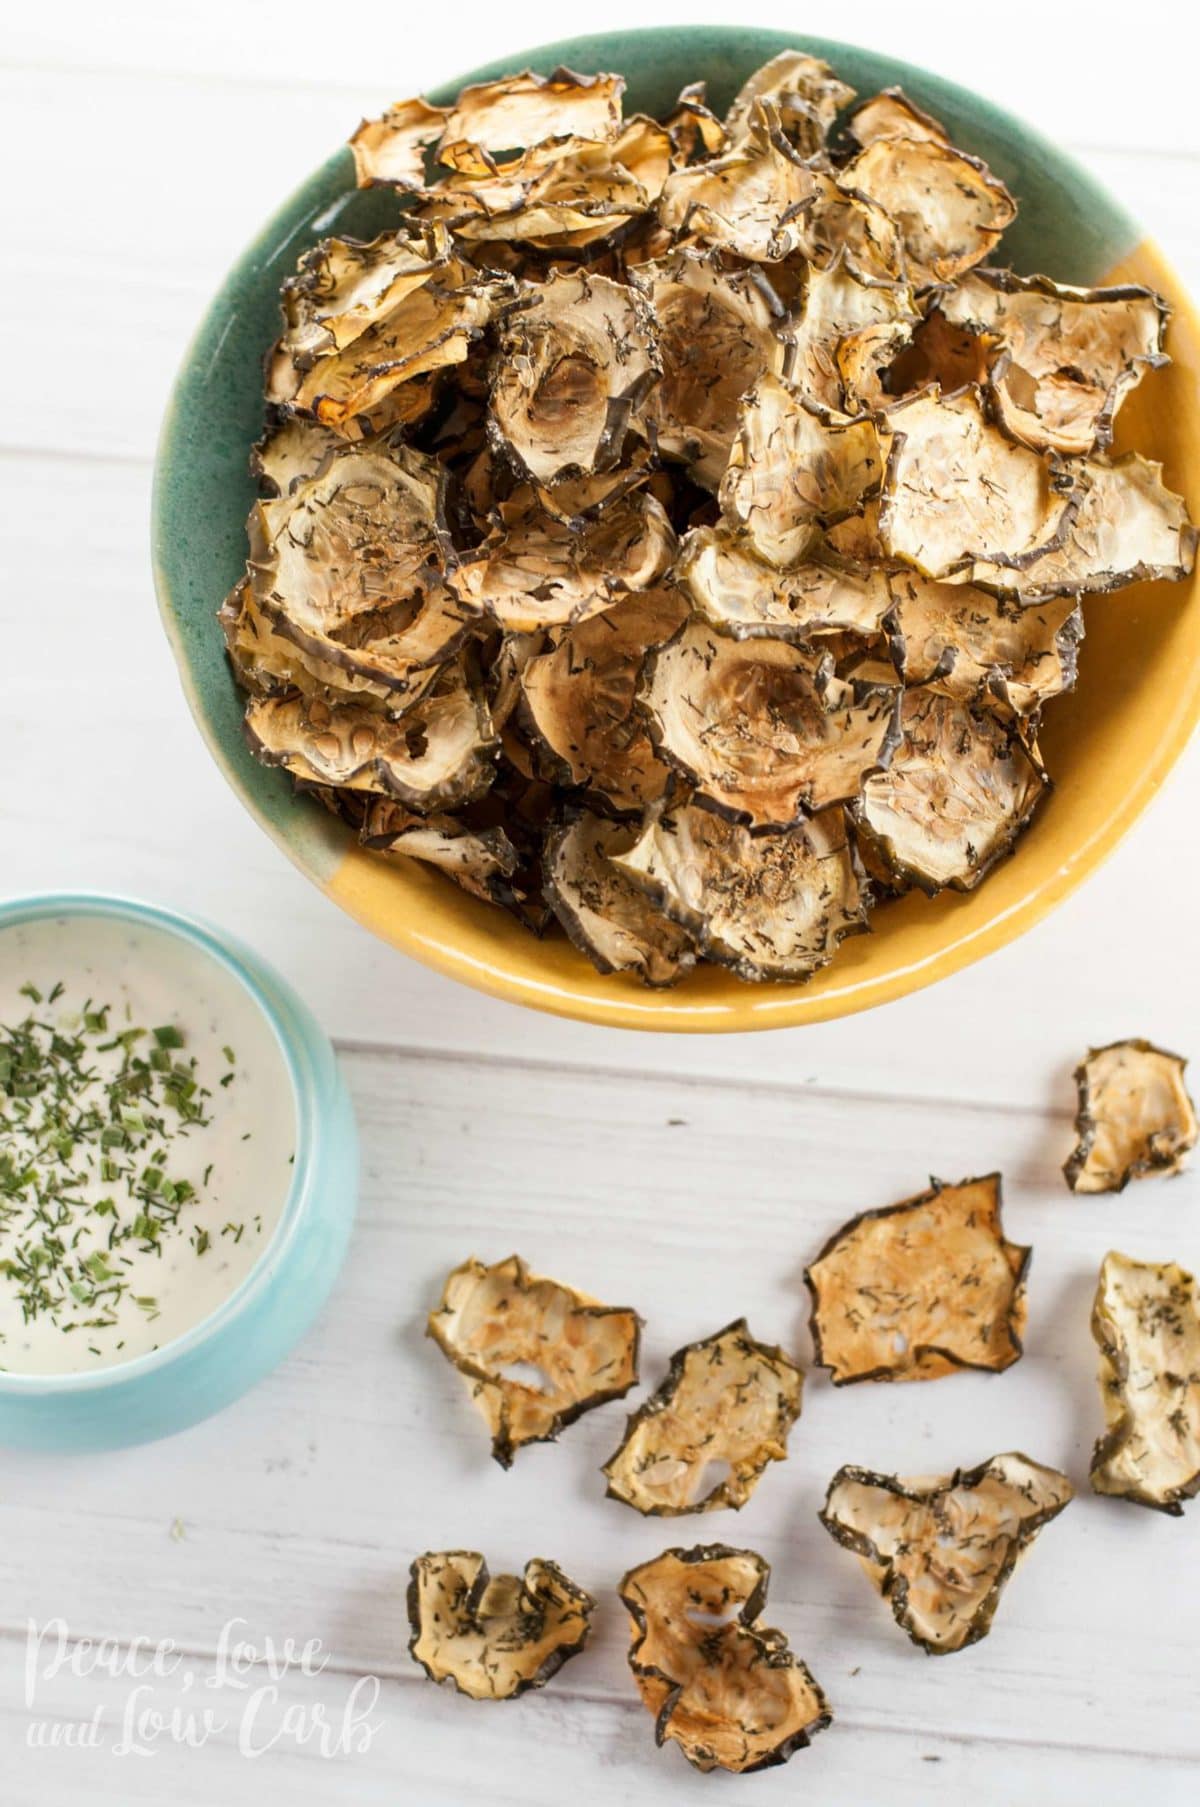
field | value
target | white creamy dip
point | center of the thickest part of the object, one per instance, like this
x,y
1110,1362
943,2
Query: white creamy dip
x,y
124,1219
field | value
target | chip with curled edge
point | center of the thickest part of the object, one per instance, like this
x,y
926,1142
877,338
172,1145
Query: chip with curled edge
x,y
494,1636
1135,1116
608,917
727,1404
1124,526
842,332
480,861
768,906
805,93
718,333
965,643
950,208
744,598
576,1353
544,569
958,493
577,354
750,200
527,109
1066,358
1146,1322
489,119
958,789
577,701
941,1550
720,1684
794,468
437,755
765,730
920,1289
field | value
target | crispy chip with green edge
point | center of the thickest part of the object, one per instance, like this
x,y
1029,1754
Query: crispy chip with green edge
x,y
606,915
768,906
494,1637
438,755
726,1404
1146,1322
1135,1117
719,1683
921,1289
940,1550
765,730
492,1319
959,789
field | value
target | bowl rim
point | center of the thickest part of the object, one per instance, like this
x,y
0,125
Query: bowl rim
x,y
208,941
464,958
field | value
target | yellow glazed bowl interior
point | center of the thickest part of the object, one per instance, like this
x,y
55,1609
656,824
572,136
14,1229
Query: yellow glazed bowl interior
x,y
1108,745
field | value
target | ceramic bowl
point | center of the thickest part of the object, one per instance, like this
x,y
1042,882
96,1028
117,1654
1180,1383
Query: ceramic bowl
x,y
255,1327
1108,745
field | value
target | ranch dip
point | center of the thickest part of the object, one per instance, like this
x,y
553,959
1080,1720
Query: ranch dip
x,y
147,1131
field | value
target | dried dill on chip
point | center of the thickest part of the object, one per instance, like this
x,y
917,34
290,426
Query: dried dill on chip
x,y
720,1684
494,1636
705,1437
1146,1322
1135,1117
493,1319
920,1289
941,1550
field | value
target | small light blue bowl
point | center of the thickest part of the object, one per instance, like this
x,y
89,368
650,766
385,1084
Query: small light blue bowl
x,y
249,1334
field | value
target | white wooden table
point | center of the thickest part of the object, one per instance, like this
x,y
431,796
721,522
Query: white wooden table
x,y
692,1178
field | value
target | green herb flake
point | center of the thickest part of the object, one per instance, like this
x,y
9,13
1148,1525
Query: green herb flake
x,y
81,1105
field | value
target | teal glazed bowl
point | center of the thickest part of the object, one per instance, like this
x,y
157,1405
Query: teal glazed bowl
x,y
252,1330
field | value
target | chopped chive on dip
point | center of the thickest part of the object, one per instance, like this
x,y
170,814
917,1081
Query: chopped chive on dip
x,y
142,1167
69,1116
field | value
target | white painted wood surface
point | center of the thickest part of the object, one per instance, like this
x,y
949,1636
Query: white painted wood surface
x,y
691,1178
